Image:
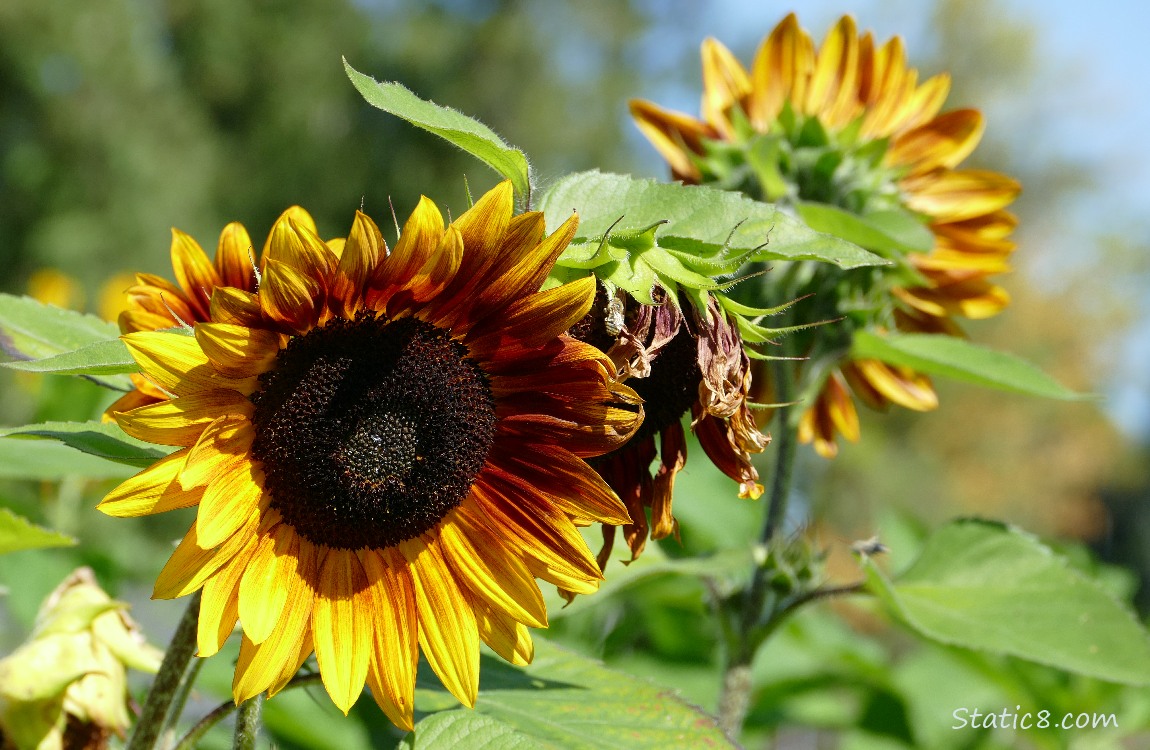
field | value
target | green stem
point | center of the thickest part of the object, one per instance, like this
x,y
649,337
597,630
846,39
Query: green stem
x,y
248,723
168,679
735,695
178,703
225,709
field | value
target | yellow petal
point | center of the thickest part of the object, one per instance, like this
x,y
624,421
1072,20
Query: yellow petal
x,y
532,321
484,223
943,142
553,547
900,385
223,442
393,664
342,627
289,297
773,72
266,580
238,351
236,307
447,629
299,216
725,85
235,258
506,637
190,565
362,253
178,365
194,272
269,665
834,83
420,236
153,490
219,608
674,135
525,260
181,421
488,570
960,194
229,501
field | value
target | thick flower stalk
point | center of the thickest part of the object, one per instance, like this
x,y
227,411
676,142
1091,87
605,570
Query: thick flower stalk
x,y
386,449
847,128
67,686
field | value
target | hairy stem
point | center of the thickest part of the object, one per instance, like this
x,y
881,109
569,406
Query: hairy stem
x,y
734,699
191,740
248,723
167,683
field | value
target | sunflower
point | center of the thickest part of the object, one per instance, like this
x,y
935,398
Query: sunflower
x,y
386,450
680,360
153,303
848,125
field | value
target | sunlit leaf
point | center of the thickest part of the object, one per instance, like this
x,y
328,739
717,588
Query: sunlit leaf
x,y
21,458
18,533
886,232
958,358
32,330
567,701
990,587
455,127
700,221
101,439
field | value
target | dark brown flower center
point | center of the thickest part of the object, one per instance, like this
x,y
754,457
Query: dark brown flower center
x,y
672,387
371,430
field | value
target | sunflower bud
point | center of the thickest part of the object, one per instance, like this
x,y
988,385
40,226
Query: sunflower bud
x,y
66,687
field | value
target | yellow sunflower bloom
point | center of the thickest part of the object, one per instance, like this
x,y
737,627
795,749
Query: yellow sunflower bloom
x,y
386,450
887,146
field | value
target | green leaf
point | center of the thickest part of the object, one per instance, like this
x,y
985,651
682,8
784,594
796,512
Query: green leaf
x,y
455,127
888,233
103,439
989,587
18,533
45,460
564,701
700,220
32,330
958,358
109,357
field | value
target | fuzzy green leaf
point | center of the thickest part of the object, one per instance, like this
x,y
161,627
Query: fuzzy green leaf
x,y
887,233
21,458
18,533
455,127
31,331
102,439
700,221
990,587
960,359
101,358
564,701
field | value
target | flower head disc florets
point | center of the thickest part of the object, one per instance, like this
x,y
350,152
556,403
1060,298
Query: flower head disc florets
x,y
847,125
385,448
